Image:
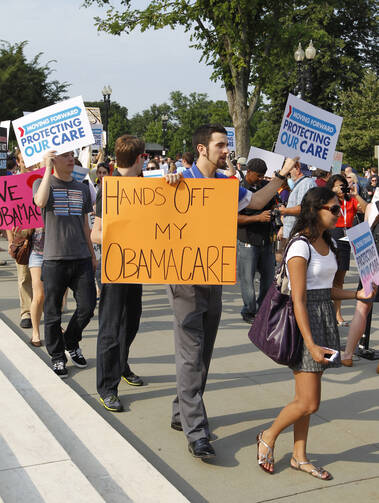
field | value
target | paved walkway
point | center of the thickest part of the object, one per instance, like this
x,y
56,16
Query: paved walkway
x,y
245,392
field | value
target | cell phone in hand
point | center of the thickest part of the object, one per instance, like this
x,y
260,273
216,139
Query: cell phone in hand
x,y
331,357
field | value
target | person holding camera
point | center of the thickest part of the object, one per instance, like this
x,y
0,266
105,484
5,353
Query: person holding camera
x,y
256,229
351,202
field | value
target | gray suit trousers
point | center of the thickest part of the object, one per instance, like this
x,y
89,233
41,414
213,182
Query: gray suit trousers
x,y
197,313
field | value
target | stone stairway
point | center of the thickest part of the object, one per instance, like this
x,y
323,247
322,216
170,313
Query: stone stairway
x,y
55,448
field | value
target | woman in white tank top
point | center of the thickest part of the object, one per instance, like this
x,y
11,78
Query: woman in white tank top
x,y
312,292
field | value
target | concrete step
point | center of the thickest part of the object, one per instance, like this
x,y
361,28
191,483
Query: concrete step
x,y
33,465
54,445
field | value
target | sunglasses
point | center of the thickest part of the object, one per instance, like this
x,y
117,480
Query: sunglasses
x,y
334,210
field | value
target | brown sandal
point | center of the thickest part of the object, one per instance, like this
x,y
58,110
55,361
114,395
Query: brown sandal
x,y
36,344
316,472
264,458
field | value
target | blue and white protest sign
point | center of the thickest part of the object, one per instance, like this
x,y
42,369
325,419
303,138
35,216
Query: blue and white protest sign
x,y
308,132
94,117
231,134
337,163
274,162
365,254
154,173
61,127
79,173
97,131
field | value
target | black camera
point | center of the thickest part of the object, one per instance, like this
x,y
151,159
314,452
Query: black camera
x,y
276,219
345,189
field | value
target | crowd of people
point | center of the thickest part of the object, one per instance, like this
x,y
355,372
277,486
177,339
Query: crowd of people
x,y
295,201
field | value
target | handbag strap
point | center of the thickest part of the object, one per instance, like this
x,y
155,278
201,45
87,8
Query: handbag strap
x,y
282,267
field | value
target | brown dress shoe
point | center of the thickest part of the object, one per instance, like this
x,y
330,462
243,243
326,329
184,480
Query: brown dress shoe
x,y
348,362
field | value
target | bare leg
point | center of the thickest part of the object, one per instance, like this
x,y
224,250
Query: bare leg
x,y
306,402
338,282
36,306
311,387
357,328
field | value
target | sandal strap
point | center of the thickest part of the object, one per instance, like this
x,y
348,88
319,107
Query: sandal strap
x,y
261,441
269,456
264,458
301,463
318,471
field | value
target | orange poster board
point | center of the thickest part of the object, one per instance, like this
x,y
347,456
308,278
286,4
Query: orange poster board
x,y
154,232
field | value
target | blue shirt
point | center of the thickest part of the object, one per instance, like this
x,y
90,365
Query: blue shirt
x,y
244,195
296,196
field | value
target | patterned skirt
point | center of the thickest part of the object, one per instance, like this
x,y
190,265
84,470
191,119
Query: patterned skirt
x,y
323,324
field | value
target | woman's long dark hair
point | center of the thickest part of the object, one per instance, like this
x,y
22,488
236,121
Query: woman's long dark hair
x,y
307,223
338,178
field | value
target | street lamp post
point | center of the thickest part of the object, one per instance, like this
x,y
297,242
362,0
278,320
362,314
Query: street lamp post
x,y
164,131
304,73
107,91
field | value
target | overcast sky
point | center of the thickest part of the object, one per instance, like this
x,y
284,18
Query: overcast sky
x,y
141,68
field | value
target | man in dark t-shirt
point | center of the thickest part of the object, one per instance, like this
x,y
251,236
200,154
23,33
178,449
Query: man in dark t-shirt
x,y
120,306
68,257
255,244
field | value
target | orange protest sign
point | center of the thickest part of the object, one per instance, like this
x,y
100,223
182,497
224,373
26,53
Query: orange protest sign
x,y
157,233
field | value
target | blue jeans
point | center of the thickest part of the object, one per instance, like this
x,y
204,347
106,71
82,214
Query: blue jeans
x,y
254,259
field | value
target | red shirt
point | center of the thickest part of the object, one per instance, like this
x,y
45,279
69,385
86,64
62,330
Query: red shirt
x,y
320,182
351,208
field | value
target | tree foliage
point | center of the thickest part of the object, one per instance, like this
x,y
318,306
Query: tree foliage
x,y
360,127
185,114
344,35
118,123
25,85
250,44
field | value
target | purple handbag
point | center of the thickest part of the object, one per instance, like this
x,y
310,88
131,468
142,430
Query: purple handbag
x,y
274,330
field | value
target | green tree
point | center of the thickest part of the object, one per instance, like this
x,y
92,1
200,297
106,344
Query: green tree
x,y
140,121
243,40
118,123
25,85
343,34
185,114
360,127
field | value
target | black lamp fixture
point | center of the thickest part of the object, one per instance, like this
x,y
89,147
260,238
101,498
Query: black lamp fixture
x,y
304,62
107,91
164,131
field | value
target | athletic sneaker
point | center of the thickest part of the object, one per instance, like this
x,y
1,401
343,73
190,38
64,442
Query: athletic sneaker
x,y
112,403
77,357
132,379
59,368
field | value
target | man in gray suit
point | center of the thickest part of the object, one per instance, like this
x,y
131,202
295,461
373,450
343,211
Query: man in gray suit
x,y
197,308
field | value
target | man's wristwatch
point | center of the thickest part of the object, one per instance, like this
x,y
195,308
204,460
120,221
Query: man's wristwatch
x,y
278,175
